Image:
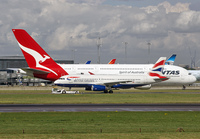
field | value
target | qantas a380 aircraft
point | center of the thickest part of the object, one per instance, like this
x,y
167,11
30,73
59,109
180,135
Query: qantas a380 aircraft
x,y
105,76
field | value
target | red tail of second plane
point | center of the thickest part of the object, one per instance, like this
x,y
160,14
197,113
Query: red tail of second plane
x,y
112,61
41,65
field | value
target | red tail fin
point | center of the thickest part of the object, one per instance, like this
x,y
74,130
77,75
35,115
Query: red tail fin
x,y
112,61
37,59
158,68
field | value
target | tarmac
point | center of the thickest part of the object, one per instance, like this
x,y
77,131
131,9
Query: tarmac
x,y
96,107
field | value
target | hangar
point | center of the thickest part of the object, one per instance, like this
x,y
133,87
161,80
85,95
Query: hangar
x,y
10,76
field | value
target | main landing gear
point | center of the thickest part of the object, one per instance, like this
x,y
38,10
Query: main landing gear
x,y
183,87
110,91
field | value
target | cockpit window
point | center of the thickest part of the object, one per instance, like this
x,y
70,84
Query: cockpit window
x,y
61,78
189,73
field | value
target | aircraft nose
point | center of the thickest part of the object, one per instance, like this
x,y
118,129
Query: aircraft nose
x,y
56,81
193,79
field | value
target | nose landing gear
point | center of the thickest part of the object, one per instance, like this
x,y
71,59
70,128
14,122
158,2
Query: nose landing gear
x,y
183,87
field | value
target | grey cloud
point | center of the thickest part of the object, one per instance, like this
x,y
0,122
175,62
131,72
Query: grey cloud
x,y
195,6
188,22
60,26
93,35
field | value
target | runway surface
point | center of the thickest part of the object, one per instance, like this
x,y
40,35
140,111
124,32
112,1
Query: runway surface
x,y
96,107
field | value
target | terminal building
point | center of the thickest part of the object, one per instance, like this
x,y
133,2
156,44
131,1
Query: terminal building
x,y
9,74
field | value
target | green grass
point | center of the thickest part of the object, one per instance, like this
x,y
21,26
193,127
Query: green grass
x,y
90,124
153,125
45,97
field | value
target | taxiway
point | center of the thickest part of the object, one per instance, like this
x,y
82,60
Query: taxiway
x,y
96,107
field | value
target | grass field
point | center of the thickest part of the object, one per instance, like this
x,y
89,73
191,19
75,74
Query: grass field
x,y
100,125
151,125
149,96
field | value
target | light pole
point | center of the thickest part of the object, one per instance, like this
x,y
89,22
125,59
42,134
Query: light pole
x,y
149,44
125,45
73,53
99,44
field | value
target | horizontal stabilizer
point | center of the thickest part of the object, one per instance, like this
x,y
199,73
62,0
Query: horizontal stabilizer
x,y
34,71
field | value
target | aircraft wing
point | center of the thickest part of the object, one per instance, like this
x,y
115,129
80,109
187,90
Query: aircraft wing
x,y
118,82
112,83
160,79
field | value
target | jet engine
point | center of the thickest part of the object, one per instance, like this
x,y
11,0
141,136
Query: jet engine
x,y
98,88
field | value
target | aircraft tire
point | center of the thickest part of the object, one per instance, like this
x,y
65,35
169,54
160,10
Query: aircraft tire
x,y
105,91
63,91
111,91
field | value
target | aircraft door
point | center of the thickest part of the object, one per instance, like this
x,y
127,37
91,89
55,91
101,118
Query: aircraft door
x,y
74,70
96,70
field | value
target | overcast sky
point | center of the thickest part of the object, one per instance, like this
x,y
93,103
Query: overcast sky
x,y
60,26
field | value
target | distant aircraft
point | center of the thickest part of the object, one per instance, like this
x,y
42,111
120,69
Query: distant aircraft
x,y
41,65
112,61
195,73
88,62
170,61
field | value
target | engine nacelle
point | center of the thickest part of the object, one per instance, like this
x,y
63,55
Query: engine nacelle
x,y
144,87
98,88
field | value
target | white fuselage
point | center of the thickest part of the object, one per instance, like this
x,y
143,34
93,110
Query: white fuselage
x,y
107,80
176,74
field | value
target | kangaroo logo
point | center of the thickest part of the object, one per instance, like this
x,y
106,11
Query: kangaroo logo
x,y
44,59
38,58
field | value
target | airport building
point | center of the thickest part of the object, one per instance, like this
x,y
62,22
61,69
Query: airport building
x,y
9,74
